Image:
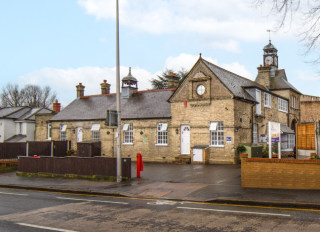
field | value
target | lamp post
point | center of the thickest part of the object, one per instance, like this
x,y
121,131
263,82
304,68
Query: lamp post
x,y
118,134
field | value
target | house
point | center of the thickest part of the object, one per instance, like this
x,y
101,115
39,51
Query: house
x,y
212,108
17,124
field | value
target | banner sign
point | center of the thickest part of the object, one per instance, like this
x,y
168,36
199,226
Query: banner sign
x,y
274,128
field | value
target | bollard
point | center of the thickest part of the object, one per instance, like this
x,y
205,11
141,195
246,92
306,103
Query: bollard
x,y
139,164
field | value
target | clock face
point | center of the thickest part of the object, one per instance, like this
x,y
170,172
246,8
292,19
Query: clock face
x,y
201,89
268,60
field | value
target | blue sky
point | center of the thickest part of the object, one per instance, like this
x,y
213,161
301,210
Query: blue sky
x,y
61,43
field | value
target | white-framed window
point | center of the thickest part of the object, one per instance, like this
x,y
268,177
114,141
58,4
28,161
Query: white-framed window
x,y
282,105
95,128
217,134
267,100
49,131
258,99
128,133
293,100
63,132
291,141
162,133
288,141
255,133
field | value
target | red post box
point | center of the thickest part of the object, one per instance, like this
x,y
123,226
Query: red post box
x,y
139,164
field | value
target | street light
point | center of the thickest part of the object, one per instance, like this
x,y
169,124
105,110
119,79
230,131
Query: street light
x,y
118,134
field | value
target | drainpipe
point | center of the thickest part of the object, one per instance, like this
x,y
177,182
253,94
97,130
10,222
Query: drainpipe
x,y
252,116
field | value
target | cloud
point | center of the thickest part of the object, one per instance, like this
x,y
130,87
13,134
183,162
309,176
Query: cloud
x,y
222,22
307,76
186,61
63,81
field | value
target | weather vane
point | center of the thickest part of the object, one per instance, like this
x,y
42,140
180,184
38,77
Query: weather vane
x,y
269,35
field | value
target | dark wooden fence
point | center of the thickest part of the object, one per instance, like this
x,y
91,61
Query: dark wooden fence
x,y
13,150
89,149
83,166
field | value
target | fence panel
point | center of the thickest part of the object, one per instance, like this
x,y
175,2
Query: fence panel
x,y
101,166
60,148
40,148
306,137
12,150
89,149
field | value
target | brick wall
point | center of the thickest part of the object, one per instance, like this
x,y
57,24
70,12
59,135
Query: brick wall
x,y
280,173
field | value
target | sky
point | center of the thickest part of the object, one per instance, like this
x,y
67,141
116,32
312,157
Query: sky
x,y
61,43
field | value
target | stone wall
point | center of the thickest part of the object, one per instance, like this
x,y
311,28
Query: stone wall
x,y
41,127
310,111
280,173
144,139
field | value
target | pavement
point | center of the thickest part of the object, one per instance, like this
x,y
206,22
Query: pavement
x,y
200,183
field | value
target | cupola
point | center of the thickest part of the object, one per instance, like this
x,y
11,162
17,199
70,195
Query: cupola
x,y
129,85
270,56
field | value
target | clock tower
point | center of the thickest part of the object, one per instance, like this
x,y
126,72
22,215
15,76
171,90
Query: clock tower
x,y
270,56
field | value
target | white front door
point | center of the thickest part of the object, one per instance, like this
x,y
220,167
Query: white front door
x,y
79,134
185,139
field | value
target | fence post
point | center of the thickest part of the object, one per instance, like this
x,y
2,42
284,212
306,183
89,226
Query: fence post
x,y
52,148
27,149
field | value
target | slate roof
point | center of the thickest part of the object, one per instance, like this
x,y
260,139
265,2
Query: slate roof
x,y
280,81
142,104
16,138
21,113
285,129
233,82
5,112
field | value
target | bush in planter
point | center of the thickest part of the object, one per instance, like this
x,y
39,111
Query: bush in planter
x,y
70,152
241,149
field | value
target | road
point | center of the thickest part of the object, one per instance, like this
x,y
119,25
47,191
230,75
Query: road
x,y
22,210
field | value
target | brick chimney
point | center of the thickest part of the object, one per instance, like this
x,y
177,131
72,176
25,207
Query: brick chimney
x,y
105,87
56,106
80,90
173,80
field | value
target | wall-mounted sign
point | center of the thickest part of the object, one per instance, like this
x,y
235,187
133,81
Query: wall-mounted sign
x,y
229,139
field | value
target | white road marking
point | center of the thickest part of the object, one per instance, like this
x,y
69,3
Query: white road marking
x,y
45,227
75,199
234,211
16,194
162,202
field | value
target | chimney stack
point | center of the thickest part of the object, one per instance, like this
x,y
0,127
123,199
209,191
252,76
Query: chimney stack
x,y
105,87
80,90
56,106
173,80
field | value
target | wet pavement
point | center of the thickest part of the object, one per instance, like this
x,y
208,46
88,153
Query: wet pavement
x,y
206,183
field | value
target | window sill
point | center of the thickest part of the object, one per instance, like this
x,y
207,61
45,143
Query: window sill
x,y
128,144
161,145
269,107
217,146
283,111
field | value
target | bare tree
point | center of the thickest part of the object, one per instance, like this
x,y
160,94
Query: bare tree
x,y
309,17
12,96
35,96
30,95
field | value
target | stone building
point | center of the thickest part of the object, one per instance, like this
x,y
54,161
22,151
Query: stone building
x,y
212,108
